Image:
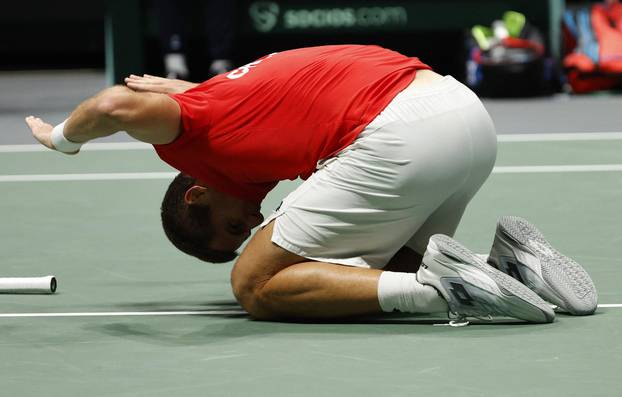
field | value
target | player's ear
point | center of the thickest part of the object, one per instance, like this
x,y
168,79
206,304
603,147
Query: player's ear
x,y
196,194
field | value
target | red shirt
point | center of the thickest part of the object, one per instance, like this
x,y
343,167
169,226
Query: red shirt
x,y
275,118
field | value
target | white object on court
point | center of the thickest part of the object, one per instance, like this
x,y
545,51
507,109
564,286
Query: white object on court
x,y
28,285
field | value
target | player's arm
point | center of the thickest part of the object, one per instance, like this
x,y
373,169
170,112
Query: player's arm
x,y
148,117
148,83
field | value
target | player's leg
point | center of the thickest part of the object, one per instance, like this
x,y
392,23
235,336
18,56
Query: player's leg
x,y
406,260
470,286
483,146
446,263
269,288
272,283
444,220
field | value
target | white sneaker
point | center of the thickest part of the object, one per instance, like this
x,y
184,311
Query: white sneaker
x,y
472,288
521,251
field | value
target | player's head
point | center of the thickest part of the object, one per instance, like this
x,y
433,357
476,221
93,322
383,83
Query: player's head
x,y
204,222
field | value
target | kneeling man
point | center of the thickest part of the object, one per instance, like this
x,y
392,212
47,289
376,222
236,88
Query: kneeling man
x,y
391,154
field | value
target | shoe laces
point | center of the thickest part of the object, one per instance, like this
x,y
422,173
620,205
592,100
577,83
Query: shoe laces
x,y
461,320
482,312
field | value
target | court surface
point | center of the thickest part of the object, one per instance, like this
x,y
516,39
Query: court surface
x,y
133,317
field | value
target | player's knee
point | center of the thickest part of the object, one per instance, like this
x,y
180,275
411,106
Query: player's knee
x,y
240,289
252,297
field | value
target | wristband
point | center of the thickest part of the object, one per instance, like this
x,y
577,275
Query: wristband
x,y
61,143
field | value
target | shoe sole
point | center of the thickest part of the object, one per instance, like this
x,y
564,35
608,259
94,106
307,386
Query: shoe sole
x,y
540,311
562,281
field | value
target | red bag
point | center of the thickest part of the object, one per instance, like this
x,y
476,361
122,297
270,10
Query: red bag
x,y
586,75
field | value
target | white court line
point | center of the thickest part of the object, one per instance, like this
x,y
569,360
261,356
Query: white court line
x,y
129,314
89,147
534,169
87,177
102,146
578,136
170,313
527,169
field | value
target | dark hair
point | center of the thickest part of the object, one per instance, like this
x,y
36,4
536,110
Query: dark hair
x,y
189,227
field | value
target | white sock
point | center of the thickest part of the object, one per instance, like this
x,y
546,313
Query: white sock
x,y
483,257
402,292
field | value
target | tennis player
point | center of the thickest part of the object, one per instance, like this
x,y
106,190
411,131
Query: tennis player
x,y
391,154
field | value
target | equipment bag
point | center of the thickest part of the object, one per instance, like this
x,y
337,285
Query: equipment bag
x,y
593,47
509,59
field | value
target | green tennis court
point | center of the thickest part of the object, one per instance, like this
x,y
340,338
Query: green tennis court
x,y
133,317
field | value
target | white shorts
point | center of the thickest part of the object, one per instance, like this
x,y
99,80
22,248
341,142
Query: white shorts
x,y
410,174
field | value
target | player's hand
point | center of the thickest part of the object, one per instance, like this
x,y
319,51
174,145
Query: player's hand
x,y
148,83
42,131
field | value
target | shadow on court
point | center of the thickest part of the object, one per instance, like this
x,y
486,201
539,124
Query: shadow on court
x,y
217,305
218,325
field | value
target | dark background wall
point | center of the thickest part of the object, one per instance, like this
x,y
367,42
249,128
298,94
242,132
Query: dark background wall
x,y
51,34
70,33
